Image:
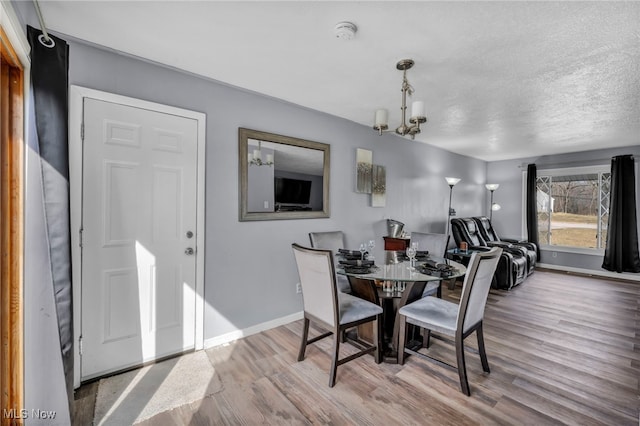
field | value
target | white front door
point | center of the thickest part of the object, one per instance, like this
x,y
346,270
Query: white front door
x,y
139,232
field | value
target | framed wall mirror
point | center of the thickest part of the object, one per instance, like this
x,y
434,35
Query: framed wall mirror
x,y
282,177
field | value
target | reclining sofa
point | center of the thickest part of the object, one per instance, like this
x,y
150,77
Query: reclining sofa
x,y
491,237
515,262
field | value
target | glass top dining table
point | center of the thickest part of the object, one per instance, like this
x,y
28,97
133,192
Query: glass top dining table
x,y
401,271
392,286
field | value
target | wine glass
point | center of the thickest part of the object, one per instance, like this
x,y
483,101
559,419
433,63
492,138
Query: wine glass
x,y
372,245
411,254
414,245
363,250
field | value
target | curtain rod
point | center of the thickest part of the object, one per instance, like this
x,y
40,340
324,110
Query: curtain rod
x,y
605,161
631,155
43,38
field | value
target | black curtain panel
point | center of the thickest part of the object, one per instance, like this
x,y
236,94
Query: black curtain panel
x,y
621,252
49,85
532,206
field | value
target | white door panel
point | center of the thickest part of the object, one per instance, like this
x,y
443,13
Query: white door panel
x,y
139,202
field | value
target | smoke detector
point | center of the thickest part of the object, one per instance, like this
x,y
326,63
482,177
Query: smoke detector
x,y
345,30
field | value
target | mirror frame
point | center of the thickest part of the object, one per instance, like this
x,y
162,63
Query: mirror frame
x,y
243,148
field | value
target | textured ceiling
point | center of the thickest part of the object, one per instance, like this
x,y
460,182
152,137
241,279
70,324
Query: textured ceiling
x,y
500,80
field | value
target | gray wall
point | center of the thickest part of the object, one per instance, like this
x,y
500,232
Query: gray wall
x,y
508,174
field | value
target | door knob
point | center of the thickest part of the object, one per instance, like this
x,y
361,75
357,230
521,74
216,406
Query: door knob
x,y
188,251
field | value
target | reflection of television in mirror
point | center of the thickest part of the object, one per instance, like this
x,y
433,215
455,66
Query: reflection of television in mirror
x,y
292,191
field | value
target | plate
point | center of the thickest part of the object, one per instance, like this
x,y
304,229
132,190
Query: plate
x,y
351,269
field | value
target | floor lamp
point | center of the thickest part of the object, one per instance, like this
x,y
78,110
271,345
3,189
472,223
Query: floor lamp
x,y
451,181
492,207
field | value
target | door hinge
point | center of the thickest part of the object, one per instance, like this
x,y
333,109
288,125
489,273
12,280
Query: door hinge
x,y
80,345
82,132
80,233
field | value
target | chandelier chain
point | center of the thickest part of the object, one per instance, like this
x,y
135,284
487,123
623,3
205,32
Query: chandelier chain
x,y
406,86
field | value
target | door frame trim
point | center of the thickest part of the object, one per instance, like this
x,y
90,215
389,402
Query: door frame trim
x,y
77,94
14,52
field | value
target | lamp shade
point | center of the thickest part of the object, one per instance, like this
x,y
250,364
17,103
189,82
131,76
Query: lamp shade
x,y
417,109
382,116
492,186
452,180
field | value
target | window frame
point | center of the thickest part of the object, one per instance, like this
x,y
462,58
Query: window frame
x,y
570,171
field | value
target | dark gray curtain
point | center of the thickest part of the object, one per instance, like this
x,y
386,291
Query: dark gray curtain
x,y
621,252
532,206
49,86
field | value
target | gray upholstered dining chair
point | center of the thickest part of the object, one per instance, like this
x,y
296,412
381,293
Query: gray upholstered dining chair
x,y
435,244
334,310
334,241
454,320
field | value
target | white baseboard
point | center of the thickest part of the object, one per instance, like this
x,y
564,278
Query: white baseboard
x,y
238,334
607,274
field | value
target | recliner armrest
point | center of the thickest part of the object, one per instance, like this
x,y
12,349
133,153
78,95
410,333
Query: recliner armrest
x,y
509,248
479,248
523,243
513,240
502,244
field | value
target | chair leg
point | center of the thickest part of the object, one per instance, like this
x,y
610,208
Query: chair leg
x,y
334,361
377,338
452,284
462,367
305,335
402,338
483,353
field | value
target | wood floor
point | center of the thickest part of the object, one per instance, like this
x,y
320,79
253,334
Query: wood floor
x,y
563,349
